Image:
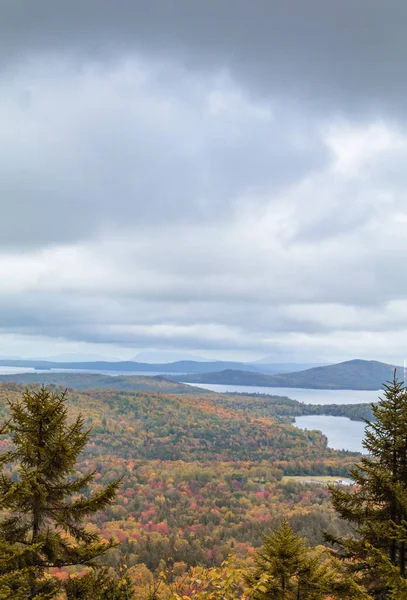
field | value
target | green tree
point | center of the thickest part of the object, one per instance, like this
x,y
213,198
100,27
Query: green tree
x,y
42,526
287,569
376,506
99,584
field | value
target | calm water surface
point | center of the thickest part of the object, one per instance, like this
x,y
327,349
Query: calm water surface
x,y
342,433
303,395
17,370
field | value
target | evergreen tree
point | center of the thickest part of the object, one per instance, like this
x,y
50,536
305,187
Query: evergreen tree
x,y
44,509
376,506
99,584
286,569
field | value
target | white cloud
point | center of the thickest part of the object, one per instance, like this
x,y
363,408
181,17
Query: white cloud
x,y
355,148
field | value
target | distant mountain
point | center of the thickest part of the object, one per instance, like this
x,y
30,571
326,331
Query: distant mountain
x,y
182,366
350,375
354,374
159,357
277,368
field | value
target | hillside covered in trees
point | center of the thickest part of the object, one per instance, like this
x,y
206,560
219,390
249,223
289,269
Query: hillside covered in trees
x,y
182,490
86,381
200,480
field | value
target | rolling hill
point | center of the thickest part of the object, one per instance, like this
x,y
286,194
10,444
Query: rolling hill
x,y
82,381
350,375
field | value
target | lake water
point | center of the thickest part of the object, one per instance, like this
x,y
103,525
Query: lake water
x,y
15,370
342,433
303,395
18,370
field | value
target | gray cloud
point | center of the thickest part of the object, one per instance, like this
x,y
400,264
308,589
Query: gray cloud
x,y
330,56
218,176
99,148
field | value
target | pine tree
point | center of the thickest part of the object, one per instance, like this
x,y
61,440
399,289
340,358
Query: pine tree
x,y
376,506
287,569
45,508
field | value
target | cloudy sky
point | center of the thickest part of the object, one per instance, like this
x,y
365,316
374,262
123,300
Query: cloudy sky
x,y
221,177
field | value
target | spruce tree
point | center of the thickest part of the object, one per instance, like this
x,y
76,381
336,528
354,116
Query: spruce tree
x,y
42,526
376,506
99,584
287,569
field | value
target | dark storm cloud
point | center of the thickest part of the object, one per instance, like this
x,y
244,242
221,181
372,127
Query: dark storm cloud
x,y
331,55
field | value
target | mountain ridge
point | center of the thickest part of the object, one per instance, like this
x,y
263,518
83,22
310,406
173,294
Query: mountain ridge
x,y
355,374
184,366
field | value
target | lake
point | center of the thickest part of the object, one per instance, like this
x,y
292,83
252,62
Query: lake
x,y
18,370
303,395
342,433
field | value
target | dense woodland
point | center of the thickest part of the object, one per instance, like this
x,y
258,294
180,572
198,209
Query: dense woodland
x,y
201,480
265,405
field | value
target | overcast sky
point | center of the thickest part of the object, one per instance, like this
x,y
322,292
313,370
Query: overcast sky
x,y
221,177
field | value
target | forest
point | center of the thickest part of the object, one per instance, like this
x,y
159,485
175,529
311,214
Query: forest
x,y
282,406
202,479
